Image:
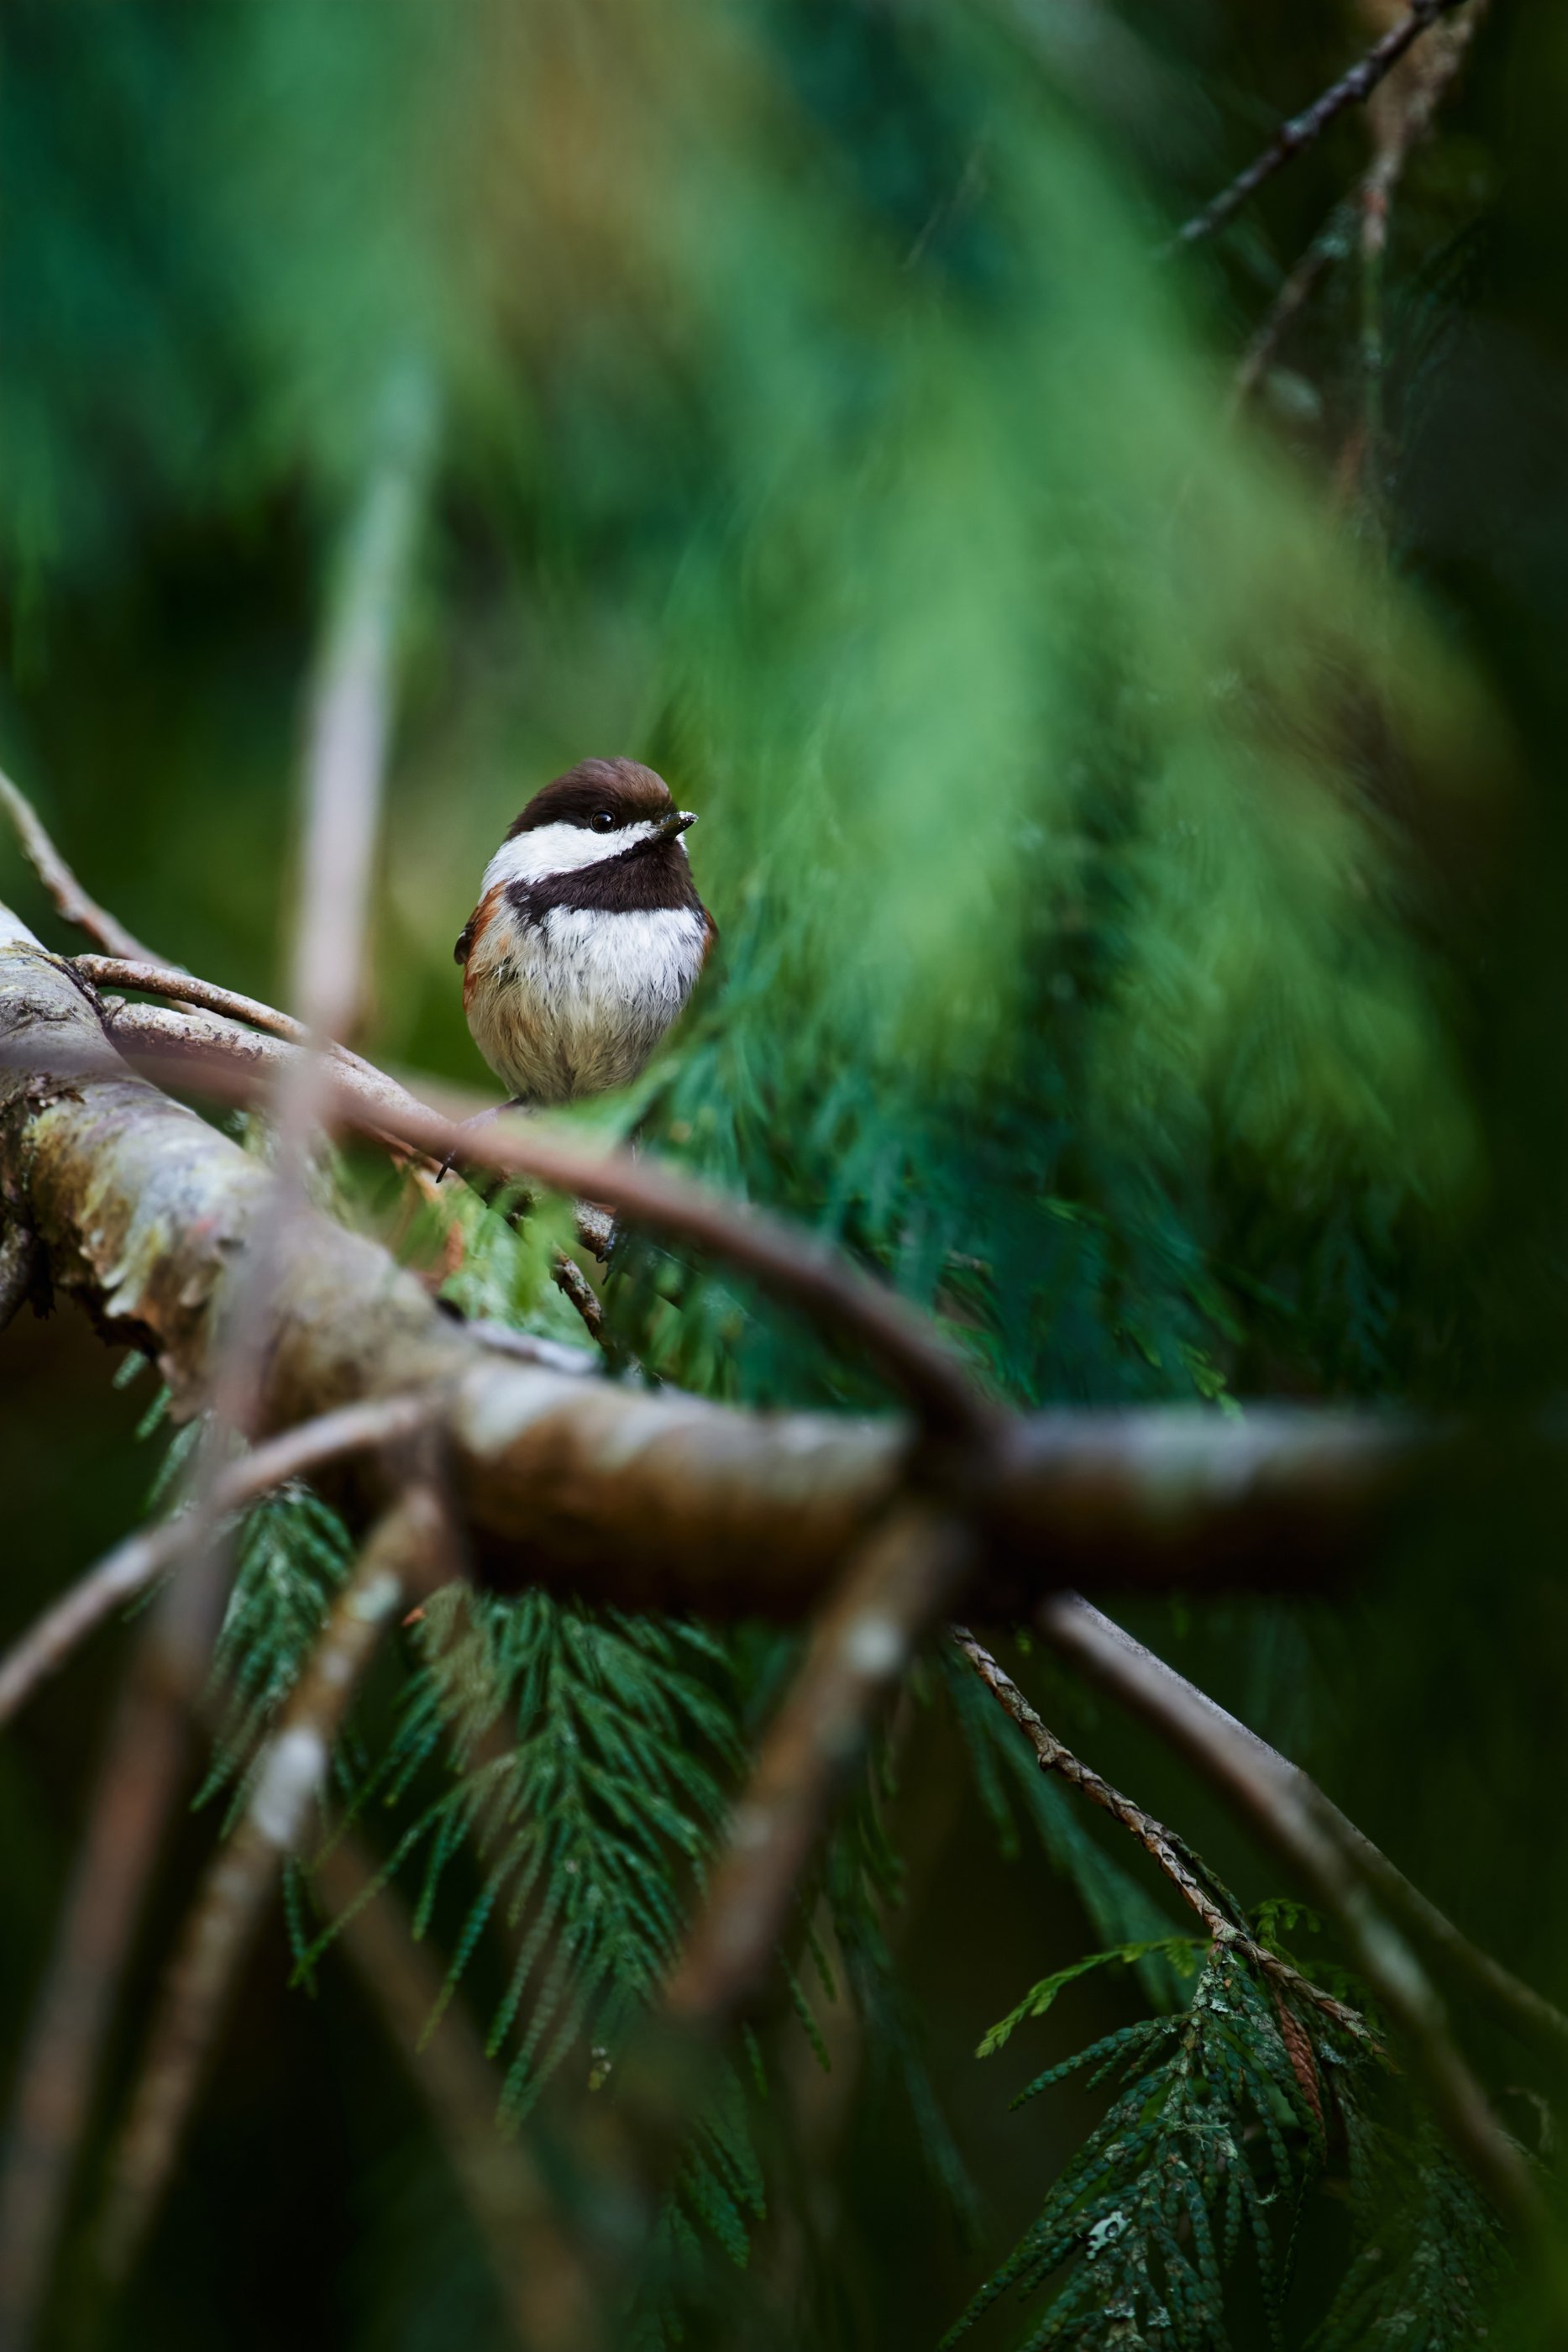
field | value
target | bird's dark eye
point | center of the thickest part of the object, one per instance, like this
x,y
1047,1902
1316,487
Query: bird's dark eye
x,y
603,821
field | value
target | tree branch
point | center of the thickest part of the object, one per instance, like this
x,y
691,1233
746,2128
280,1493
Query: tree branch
x,y
651,1500
1303,129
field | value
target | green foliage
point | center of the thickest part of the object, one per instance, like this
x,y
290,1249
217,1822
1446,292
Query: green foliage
x,y
1222,2120
1430,2260
1207,2137
590,1754
292,1554
1181,1951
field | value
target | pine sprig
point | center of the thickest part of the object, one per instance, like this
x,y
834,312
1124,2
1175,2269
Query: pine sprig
x,y
589,1752
1431,2256
1208,2137
293,1554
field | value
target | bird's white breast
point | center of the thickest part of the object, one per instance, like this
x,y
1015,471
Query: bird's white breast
x,y
575,1002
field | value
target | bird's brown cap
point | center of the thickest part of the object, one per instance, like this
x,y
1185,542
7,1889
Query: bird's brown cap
x,y
631,792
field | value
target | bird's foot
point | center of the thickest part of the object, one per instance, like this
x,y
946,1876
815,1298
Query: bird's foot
x,y
480,1118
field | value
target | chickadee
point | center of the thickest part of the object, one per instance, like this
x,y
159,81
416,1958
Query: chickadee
x,y
589,935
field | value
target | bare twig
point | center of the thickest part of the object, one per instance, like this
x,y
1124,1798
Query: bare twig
x,y
166,1036
71,899
896,1589
143,1761
1180,1866
142,1558
1293,137
531,1348
185,988
1279,1804
573,1284
229,1907
1401,114
545,2286
350,720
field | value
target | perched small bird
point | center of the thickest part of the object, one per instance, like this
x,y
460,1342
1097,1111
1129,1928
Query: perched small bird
x,y
589,935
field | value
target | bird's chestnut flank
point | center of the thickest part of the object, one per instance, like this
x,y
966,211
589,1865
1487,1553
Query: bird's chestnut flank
x,y
588,937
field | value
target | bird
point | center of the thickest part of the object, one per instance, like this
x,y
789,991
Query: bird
x,y
588,938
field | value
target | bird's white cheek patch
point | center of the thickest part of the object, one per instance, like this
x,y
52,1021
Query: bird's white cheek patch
x,y
559,849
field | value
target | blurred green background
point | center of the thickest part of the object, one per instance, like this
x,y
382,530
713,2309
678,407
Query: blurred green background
x,y
1133,826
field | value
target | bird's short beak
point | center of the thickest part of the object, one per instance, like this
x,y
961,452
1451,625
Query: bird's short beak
x,y
677,822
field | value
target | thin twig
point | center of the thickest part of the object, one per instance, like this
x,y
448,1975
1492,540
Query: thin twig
x,y
185,988
138,1779
172,1034
546,2288
228,1905
153,1551
890,1595
72,902
573,1284
1506,1998
532,1348
1278,1806
1180,1866
350,714
1293,137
